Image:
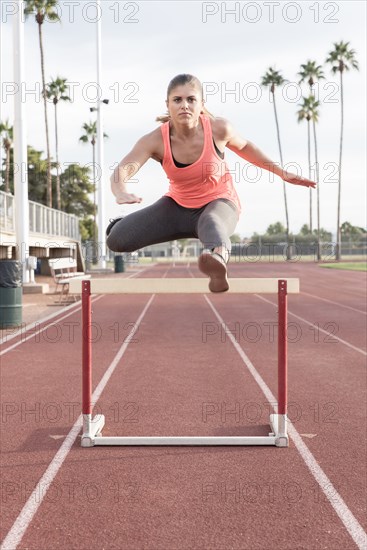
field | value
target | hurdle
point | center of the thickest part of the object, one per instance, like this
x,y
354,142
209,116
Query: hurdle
x,y
92,427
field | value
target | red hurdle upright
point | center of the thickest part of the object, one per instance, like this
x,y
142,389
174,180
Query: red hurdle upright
x,y
92,429
87,347
282,347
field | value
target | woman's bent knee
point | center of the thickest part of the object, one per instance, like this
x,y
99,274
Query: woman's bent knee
x,y
117,244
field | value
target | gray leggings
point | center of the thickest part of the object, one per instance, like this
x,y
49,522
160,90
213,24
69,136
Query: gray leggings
x,y
165,220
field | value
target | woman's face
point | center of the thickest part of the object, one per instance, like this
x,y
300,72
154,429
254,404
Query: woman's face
x,y
185,104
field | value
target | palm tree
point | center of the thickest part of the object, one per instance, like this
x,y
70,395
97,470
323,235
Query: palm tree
x,y
311,72
304,114
309,112
7,132
341,59
273,78
42,9
315,117
90,137
55,90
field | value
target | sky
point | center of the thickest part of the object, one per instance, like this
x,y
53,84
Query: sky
x,y
228,46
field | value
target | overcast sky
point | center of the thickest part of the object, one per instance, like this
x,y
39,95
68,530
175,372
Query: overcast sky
x,y
228,46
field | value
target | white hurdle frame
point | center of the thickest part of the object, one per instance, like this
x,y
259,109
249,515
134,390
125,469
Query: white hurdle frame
x,y
92,427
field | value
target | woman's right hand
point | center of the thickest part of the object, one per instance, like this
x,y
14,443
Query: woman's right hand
x,y
127,198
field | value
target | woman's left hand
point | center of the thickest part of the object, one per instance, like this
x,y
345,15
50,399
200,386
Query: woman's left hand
x,y
298,180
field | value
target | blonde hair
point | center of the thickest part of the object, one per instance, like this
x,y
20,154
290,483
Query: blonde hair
x,y
180,80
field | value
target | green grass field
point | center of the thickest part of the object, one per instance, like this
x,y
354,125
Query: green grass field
x,y
352,266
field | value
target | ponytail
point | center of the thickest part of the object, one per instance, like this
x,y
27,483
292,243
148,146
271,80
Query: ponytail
x,y
163,118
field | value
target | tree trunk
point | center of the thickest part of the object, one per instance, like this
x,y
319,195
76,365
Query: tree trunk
x,y
58,191
49,177
289,255
309,170
338,233
318,193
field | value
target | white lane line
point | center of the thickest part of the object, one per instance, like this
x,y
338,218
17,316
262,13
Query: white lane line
x,y
30,508
335,303
352,525
37,323
25,327
165,273
40,330
355,348
190,272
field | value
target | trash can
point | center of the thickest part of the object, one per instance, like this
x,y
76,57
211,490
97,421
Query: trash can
x,y
119,263
38,268
10,293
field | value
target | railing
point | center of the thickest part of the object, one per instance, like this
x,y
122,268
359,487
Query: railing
x,y
42,219
7,212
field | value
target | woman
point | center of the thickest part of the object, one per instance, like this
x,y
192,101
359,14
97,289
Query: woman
x,y
201,201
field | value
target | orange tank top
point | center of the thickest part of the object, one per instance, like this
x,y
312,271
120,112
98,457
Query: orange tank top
x,y
203,181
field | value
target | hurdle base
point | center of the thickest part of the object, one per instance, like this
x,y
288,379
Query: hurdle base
x,y
91,429
278,424
92,436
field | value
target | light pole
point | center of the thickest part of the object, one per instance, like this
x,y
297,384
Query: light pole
x,y
100,250
20,148
100,150
1,80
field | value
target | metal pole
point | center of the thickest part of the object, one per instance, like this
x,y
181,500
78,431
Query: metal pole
x,y
282,347
95,245
100,151
1,80
20,147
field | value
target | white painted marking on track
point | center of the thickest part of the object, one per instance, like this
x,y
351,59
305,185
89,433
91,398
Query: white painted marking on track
x,y
335,303
40,330
165,273
355,348
19,527
190,272
52,316
33,325
349,521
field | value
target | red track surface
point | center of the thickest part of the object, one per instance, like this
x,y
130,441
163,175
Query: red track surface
x,y
183,376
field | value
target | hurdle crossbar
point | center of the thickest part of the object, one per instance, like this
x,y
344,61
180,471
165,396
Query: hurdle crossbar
x,y
92,427
181,286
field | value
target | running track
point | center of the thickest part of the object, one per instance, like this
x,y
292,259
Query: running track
x,y
185,370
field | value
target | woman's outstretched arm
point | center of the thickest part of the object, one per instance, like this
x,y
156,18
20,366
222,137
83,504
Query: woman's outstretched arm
x,y
248,151
128,167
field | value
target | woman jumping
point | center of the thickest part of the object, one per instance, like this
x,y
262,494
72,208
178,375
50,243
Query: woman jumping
x,y
201,201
